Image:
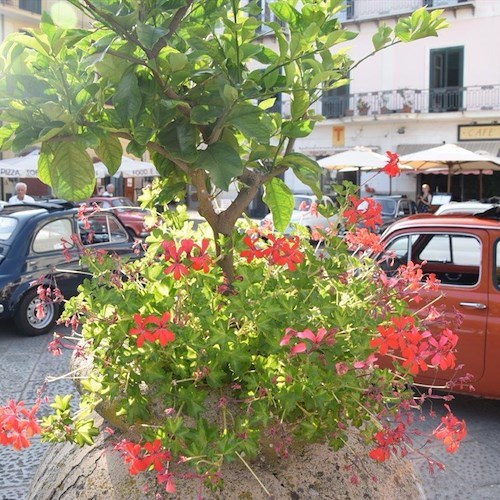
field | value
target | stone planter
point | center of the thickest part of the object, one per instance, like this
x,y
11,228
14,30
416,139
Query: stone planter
x,y
314,472
68,472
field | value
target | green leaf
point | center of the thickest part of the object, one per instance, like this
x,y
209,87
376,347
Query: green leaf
x,y
149,35
222,162
110,152
300,104
298,128
279,199
127,98
71,171
180,139
307,170
285,12
177,61
382,37
203,114
247,118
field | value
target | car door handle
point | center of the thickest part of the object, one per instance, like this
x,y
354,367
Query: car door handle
x,y
473,305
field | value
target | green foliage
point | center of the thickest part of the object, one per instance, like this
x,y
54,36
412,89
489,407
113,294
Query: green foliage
x,y
179,79
229,383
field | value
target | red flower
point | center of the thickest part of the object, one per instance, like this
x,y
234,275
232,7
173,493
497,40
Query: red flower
x,y
365,210
285,251
18,424
362,239
156,455
201,260
451,431
392,167
177,267
151,334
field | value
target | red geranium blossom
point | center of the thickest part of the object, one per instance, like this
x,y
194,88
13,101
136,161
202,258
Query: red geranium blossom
x,y
151,329
392,167
365,210
451,431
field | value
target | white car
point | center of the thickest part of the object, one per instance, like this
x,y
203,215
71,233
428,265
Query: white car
x,y
304,216
464,207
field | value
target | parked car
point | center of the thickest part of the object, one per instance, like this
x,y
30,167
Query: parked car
x,y
394,208
130,215
463,207
32,240
464,253
304,216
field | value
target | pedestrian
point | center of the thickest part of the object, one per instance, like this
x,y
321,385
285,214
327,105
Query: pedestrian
x,y
21,196
424,200
110,190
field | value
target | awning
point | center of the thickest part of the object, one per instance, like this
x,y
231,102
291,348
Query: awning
x,y
490,147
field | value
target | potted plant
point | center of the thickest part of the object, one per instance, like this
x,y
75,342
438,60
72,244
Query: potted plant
x,y
216,345
406,99
383,98
362,106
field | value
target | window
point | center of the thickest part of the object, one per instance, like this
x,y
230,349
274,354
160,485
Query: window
x,y
7,226
446,79
454,259
335,102
31,5
103,229
348,12
53,236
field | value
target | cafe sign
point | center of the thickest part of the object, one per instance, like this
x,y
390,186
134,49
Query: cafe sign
x,y
485,132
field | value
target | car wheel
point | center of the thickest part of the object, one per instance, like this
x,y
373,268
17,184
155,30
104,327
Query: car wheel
x,y
26,318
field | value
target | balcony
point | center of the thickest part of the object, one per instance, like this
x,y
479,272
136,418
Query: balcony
x,y
363,10
438,100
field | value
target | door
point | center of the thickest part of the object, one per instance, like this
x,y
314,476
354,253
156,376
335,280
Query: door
x,y
55,256
446,79
461,262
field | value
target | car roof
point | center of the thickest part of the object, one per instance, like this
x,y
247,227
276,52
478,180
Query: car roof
x,y
486,220
26,210
457,206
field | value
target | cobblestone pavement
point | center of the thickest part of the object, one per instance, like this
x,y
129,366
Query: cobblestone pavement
x,y
24,364
472,473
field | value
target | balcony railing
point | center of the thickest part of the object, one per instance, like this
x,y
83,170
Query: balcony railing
x,y
438,100
359,10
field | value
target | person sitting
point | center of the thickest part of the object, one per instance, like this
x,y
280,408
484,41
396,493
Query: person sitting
x,y
110,190
21,196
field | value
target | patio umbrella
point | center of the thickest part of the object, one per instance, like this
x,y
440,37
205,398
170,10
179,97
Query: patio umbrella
x,y
355,160
133,168
26,167
452,158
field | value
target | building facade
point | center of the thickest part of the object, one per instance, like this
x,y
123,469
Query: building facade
x,y
410,97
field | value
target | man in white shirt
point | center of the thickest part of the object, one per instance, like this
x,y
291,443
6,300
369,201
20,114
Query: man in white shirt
x,y
110,190
21,196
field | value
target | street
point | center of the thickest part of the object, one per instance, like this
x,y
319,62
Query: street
x,y
473,472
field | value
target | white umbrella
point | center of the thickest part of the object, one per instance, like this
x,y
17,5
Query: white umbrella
x,y
26,167
133,168
355,160
453,158
20,167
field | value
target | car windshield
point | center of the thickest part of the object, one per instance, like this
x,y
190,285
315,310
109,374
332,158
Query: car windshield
x,y
7,226
303,202
388,206
122,202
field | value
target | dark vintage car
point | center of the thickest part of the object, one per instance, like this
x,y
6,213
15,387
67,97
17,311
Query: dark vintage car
x,y
463,252
394,208
32,240
131,215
